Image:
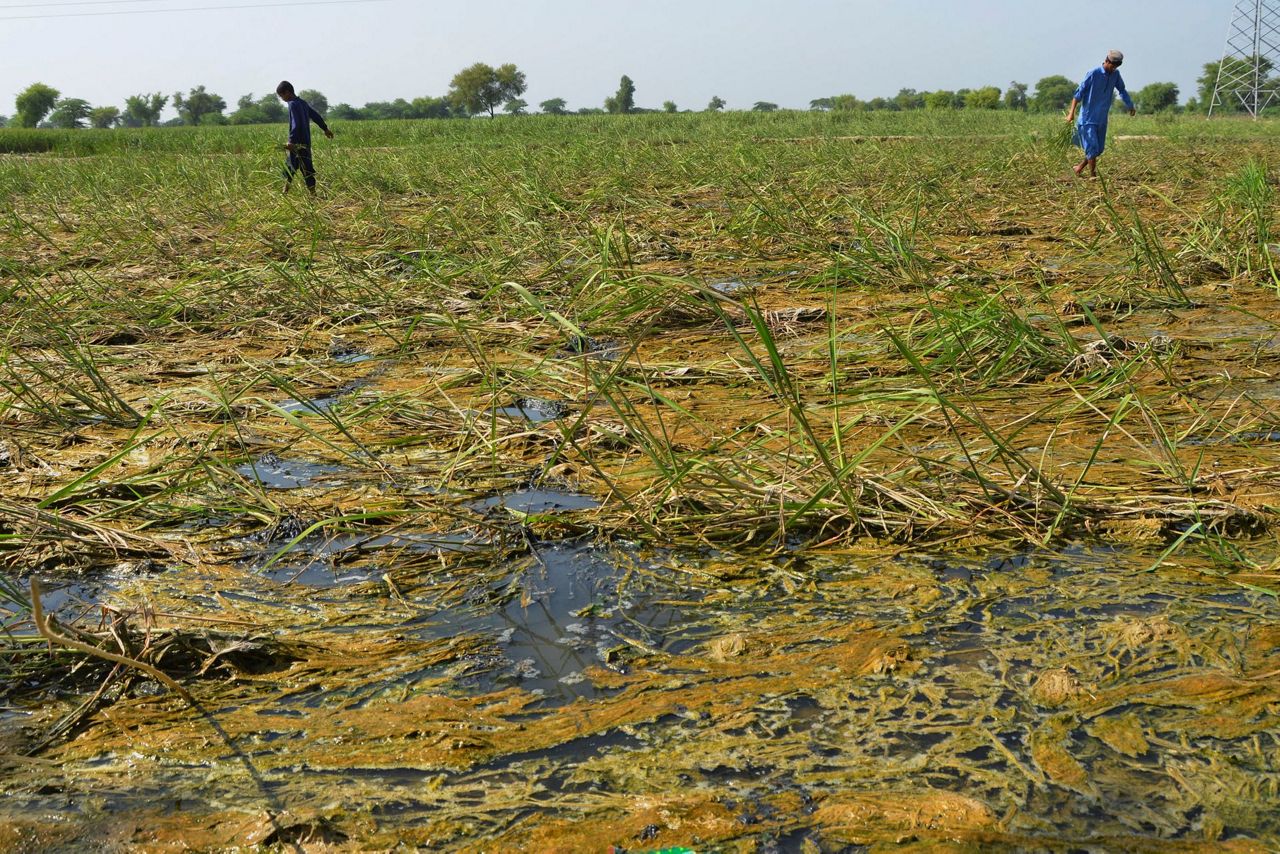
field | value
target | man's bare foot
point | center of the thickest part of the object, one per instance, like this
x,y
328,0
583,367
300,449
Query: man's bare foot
x,y
1079,170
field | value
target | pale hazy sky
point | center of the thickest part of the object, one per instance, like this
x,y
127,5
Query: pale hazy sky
x,y
785,51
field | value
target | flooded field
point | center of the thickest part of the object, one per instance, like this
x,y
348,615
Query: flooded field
x,y
751,484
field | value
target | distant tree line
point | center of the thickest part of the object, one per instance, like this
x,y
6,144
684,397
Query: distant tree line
x,y
40,105
475,90
481,89
1051,94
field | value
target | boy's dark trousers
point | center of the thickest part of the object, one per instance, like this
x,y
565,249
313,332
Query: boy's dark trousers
x,y
299,160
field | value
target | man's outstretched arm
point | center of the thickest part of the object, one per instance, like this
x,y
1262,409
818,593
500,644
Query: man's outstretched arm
x,y
319,120
1124,95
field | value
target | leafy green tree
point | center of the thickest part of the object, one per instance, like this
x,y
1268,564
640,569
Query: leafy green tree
x,y
143,110
908,99
265,110
400,109
626,94
515,107
764,107
716,104
986,98
247,112
428,107
274,109
4,121
820,104
104,117
70,113
846,103
34,103
1156,97
553,106
942,99
624,100
199,107
511,80
346,113
1053,94
670,107
382,110
1015,97
480,88
316,99
881,104
474,90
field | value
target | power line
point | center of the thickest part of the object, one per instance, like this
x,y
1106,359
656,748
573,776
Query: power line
x,y
184,9
76,3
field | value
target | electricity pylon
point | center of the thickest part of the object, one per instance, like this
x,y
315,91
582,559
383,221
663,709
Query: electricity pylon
x,y
1251,56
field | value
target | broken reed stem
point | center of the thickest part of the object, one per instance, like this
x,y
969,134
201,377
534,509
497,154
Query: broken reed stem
x,y
47,632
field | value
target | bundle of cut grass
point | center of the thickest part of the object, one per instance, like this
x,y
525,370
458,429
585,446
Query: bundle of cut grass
x,y
1064,136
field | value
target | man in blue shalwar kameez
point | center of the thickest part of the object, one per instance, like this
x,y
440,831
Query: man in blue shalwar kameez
x,y
1094,98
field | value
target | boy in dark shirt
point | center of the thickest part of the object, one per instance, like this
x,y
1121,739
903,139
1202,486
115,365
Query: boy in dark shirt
x,y
299,145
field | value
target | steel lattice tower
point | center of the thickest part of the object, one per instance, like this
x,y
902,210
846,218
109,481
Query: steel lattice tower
x,y
1251,56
